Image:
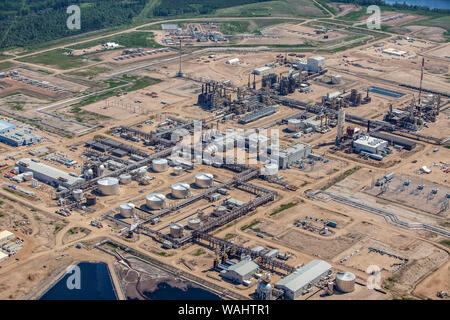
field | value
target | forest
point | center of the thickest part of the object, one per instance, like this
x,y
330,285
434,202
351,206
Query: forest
x,y
25,23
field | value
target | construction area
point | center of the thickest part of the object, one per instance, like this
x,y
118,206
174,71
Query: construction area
x,y
259,174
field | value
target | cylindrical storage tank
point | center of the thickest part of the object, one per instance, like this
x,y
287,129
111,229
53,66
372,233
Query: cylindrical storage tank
x,y
294,125
77,194
345,281
180,190
126,210
108,186
220,211
204,180
177,170
160,165
28,176
271,169
91,200
176,230
89,173
125,178
194,223
155,201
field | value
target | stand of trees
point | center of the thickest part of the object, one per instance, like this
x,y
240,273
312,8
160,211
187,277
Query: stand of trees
x,y
24,23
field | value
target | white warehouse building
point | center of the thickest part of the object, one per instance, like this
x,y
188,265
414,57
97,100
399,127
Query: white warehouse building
x,y
48,174
292,154
261,70
304,278
233,61
369,144
5,235
243,270
316,63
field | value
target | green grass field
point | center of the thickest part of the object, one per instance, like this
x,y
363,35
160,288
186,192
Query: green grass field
x,y
57,59
249,26
5,65
134,39
280,8
90,72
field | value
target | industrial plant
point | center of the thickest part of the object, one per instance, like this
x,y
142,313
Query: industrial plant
x,y
292,161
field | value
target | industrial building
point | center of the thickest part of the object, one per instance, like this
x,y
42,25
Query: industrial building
x,y
261,70
5,235
233,61
48,174
395,52
256,115
169,26
393,140
241,271
293,154
3,256
369,144
17,136
295,284
316,64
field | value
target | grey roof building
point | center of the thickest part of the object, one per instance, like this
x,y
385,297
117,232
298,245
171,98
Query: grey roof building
x,y
297,282
17,136
47,174
293,153
243,270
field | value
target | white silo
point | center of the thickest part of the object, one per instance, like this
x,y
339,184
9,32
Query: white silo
x,y
155,201
160,165
125,178
177,170
127,210
176,230
100,170
294,125
345,281
204,180
264,289
180,190
77,194
28,176
108,186
194,223
89,173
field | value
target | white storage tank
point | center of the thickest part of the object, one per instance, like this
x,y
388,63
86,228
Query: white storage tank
x,y
28,176
108,186
77,194
155,201
176,230
220,211
160,165
127,210
125,178
180,190
194,223
177,170
204,180
294,125
345,281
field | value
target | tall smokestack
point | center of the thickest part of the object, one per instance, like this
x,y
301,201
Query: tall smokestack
x,y
421,80
368,126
